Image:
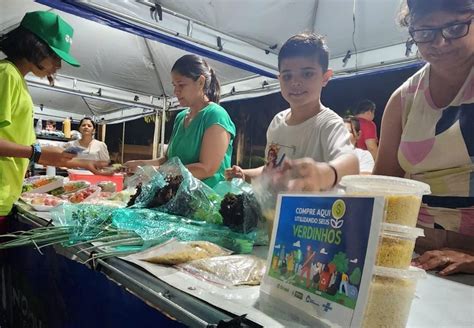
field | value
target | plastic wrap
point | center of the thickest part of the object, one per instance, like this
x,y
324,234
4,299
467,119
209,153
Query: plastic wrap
x,y
174,190
156,227
177,252
266,187
227,271
86,220
240,209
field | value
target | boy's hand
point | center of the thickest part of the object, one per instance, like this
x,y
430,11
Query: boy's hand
x,y
54,156
234,172
306,174
96,167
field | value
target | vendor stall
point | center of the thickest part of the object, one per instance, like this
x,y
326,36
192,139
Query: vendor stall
x,y
116,293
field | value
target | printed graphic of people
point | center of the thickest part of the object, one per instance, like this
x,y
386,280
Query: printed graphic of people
x,y
343,286
272,156
306,269
290,263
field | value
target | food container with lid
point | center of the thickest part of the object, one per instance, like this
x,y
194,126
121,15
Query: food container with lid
x,y
396,244
391,292
402,196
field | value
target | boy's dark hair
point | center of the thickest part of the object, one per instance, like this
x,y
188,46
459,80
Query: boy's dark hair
x,y
193,67
306,45
51,122
23,44
414,9
364,106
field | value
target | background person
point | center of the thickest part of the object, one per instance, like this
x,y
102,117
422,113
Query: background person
x,y
427,131
366,161
92,148
202,135
365,112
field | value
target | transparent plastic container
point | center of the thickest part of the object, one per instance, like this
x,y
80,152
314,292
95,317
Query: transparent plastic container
x,y
396,245
402,196
391,293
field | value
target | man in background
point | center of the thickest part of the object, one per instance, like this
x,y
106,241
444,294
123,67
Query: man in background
x,y
365,112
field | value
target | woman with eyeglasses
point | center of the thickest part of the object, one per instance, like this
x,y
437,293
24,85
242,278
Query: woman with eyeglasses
x,y
428,131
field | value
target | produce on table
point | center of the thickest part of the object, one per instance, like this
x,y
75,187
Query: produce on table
x,y
231,270
41,183
240,212
176,252
84,194
107,186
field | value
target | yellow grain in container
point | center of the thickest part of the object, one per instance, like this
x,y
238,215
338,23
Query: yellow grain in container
x,y
391,292
396,246
402,196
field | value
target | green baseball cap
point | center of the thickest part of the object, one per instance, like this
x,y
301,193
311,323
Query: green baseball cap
x,y
53,30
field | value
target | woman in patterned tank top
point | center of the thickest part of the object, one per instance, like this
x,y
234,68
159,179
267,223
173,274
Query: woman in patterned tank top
x,y
427,131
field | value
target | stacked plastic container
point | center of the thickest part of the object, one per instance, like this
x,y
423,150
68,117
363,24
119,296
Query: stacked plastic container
x,y
394,282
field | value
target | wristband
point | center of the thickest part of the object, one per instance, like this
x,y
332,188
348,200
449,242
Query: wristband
x,y
36,152
336,178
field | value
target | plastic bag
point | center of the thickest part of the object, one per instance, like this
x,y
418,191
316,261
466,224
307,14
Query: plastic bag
x,y
86,220
193,199
227,271
142,175
174,190
177,252
240,209
156,227
266,187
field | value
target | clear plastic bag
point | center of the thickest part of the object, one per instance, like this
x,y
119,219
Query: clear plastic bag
x,y
156,227
232,270
87,221
174,190
176,252
266,187
240,209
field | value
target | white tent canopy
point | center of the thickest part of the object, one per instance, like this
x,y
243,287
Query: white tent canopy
x,y
126,51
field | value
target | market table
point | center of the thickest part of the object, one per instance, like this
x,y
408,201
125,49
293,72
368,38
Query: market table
x,y
57,290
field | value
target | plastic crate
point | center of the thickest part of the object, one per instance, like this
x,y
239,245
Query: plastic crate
x,y
75,175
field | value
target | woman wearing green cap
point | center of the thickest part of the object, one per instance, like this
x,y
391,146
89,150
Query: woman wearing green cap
x,y
37,46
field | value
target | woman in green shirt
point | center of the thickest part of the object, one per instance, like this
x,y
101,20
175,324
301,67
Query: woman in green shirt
x,y
202,135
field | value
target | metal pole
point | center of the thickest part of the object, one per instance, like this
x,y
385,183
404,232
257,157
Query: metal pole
x,y
123,141
156,135
163,121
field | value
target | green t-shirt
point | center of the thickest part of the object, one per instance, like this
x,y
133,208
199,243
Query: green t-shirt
x,y
16,125
186,142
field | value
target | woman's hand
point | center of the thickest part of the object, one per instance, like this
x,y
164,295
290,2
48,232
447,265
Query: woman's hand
x,y
449,260
234,172
131,166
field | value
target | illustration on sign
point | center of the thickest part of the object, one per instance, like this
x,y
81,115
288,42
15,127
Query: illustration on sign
x,y
320,248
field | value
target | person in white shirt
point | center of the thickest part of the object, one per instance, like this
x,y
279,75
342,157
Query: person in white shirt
x,y
308,138
92,149
366,161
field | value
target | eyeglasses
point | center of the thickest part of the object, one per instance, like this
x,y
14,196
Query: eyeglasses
x,y
449,32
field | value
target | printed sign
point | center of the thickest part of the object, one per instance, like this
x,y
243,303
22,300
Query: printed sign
x,y
322,254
